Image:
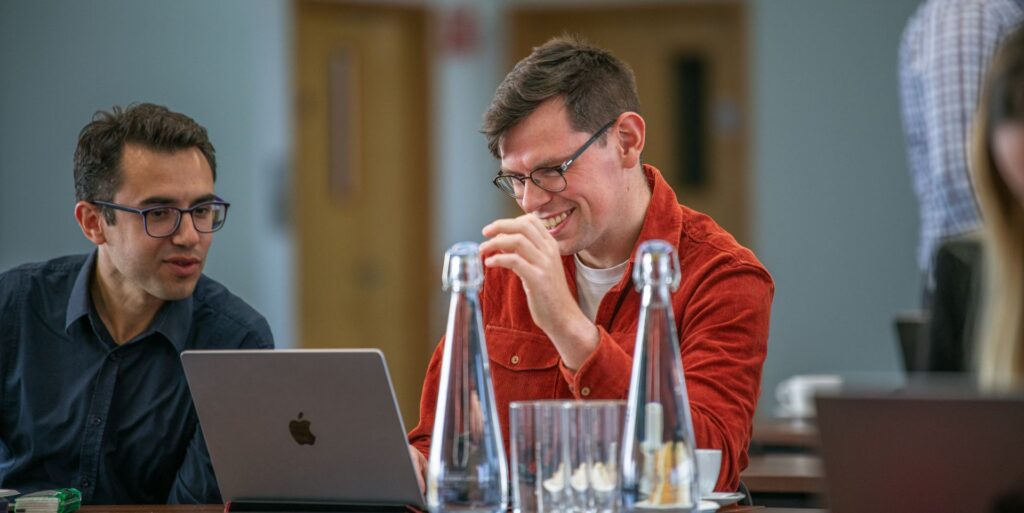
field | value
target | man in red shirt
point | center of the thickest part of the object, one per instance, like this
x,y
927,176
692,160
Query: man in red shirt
x,y
560,311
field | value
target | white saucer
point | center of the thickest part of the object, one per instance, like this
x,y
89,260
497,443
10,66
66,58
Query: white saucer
x,y
723,498
708,506
705,506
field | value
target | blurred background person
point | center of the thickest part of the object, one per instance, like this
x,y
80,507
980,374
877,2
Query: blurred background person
x,y
997,165
943,54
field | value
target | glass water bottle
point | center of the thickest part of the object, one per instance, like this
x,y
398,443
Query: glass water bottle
x,y
659,469
467,471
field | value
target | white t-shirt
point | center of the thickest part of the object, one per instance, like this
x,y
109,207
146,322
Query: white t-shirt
x,y
592,284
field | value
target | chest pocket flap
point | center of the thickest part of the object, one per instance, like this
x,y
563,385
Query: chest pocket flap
x,y
517,350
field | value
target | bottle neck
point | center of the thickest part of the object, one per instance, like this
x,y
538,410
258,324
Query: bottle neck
x,y
655,295
464,288
463,314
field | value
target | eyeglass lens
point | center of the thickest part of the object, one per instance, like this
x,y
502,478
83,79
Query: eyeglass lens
x,y
549,179
161,222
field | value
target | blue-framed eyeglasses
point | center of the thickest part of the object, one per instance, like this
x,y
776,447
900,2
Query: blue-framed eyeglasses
x,y
551,179
162,221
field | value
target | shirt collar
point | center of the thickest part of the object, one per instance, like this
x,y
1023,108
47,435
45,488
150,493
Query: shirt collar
x,y
173,320
79,301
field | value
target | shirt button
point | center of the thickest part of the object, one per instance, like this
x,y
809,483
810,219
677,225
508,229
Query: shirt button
x,y
585,391
114,357
86,483
95,421
515,359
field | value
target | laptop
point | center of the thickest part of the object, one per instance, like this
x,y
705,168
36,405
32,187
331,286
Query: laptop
x,y
930,451
303,426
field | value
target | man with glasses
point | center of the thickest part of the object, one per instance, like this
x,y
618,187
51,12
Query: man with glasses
x,y
92,392
559,308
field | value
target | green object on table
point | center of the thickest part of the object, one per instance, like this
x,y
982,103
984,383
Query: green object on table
x,y
61,500
7,500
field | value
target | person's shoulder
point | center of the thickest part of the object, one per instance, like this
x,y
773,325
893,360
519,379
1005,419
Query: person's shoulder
x,y
214,303
63,264
39,274
963,12
704,242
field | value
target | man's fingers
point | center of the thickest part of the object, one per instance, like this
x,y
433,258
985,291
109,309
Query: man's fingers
x,y
419,463
533,277
515,225
512,243
527,224
510,261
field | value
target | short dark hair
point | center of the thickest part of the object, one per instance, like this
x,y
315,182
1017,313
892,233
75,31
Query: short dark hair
x,y
595,84
101,144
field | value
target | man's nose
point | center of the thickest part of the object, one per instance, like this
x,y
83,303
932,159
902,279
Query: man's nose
x,y
186,234
533,196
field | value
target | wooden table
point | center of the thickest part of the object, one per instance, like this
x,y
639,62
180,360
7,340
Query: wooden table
x,y
784,473
155,508
790,435
217,508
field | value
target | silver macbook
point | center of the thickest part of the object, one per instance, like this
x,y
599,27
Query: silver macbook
x,y
935,451
310,426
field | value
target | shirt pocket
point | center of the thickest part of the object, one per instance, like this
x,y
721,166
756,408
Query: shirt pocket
x,y
524,365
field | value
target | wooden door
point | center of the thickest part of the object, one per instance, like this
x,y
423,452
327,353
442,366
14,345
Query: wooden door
x,y
690,64
362,185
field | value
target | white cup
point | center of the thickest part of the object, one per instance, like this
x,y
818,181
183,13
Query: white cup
x,y
796,394
709,465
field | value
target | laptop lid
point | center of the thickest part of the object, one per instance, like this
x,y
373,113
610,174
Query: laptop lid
x,y
922,451
302,425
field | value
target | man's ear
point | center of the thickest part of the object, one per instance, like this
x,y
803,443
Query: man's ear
x,y
631,130
90,220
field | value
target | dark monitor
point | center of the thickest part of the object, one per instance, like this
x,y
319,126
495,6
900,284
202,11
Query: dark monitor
x,y
936,451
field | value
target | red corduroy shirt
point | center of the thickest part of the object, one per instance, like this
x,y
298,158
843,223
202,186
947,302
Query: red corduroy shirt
x,y
722,310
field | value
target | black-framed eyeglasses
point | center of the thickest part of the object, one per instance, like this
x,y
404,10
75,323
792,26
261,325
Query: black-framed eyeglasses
x,y
551,179
162,221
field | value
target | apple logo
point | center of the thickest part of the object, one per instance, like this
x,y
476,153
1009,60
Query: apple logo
x,y
300,431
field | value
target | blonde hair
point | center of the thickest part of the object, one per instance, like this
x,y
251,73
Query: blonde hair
x,y
1001,349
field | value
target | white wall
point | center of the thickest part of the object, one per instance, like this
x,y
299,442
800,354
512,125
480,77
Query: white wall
x,y
463,198
836,219
464,84
223,63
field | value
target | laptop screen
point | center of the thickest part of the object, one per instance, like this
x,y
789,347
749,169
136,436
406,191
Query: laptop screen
x,y
302,425
934,451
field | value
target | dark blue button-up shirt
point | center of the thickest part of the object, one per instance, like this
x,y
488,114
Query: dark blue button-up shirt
x,y
116,422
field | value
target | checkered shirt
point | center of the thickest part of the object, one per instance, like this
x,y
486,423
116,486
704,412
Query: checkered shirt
x,y
945,50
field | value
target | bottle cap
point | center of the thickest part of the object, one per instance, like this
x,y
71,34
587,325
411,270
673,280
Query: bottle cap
x,y
657,263
463,268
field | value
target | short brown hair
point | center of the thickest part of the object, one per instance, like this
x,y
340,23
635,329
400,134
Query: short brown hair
x,y
101,143
595,84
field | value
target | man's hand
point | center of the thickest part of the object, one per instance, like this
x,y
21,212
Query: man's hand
x,y
419,463
525,247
